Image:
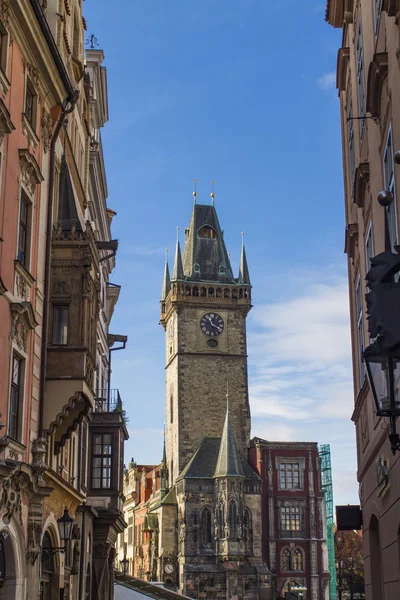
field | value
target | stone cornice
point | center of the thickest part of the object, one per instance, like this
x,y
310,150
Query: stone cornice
x,y
361,180
6,125
377,74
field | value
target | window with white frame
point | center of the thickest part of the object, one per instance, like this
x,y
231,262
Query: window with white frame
x,y
4,41
360,329
30,103
360,77
369,247
388,177
16,397
377,14
24,230
289,475
350,138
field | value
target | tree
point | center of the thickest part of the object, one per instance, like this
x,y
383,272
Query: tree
x,y
349,565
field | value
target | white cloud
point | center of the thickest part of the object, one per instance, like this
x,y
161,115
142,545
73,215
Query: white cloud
x,y
301,381
327,81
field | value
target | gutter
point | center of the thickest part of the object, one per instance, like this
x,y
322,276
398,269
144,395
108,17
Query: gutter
x,y
38,10
70,100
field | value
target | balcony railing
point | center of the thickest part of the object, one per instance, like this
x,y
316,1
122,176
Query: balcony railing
x,y
107,401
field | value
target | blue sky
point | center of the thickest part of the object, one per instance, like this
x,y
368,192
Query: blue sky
x,y
242,92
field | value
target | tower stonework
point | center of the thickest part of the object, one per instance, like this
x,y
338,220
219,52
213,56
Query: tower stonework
x,y
206,529
200,358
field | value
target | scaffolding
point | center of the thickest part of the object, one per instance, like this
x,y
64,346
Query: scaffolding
x,y
326,483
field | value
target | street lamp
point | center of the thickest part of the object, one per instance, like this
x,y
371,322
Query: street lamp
x,y
383,370
124,565
65,524
382,357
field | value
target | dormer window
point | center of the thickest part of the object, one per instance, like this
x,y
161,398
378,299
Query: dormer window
x,y
196,268
207,232
221,270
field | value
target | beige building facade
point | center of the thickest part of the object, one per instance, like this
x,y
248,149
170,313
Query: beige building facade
x,y
368,82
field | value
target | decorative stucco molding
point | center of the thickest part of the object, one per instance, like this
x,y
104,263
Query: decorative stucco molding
x,y
30,171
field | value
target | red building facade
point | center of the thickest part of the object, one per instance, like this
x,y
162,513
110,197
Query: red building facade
x,y
293,517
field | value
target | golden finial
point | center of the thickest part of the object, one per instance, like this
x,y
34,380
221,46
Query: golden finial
x,y
195,190
212,193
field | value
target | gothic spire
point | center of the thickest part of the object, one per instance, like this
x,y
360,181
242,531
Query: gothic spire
x,y
229,462
166,286
164,469
177,272
244,276
205,257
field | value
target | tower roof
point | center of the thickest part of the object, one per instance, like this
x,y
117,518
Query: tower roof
x,y
166,286
177,272
205,257
244,276
229,463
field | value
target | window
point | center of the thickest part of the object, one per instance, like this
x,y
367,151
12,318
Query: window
x,y
369,247
350,138
297,560
23,233
83,444
360,330
205,526
290,518
377,14
286,559
130,531
206,232
121,540
15,397
171,408
101,461
60,325
360,78
289,476
233,519
30,103
3,48
388,176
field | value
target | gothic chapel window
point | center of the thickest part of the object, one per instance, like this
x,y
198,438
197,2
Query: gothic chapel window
x,y
205,526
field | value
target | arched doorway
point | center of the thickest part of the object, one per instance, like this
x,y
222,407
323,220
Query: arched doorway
x,y
7,567
47,571
375,558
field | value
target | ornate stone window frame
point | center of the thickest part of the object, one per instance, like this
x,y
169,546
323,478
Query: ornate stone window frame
x,y
377,73
342,66
279,460
6,125
4,25
361,181
29,127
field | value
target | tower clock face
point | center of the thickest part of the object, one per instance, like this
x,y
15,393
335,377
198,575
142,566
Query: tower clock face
x,y
169,568
212,324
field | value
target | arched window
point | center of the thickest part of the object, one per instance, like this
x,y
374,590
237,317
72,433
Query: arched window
x,y
171,408
286,559
227,293
297,560
203,292
205,527
219,293
47,565
221,518
211,292
206,232
233,518
195,291
187,290
248,529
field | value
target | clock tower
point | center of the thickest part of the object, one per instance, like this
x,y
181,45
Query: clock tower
x,y
203,312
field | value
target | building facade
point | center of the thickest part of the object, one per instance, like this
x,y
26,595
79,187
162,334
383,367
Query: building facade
x,y
293,517
62,435
368,82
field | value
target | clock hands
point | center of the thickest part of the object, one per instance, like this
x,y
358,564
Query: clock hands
x,y
213,324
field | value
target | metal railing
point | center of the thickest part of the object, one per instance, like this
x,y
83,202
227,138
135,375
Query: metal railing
x,y
107,401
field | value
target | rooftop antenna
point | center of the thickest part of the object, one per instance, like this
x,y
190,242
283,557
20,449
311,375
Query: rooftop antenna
x,y
212,193
166,255
195,191
177,234
227,395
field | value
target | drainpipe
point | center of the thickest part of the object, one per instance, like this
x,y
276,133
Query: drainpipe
x,y
45,318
